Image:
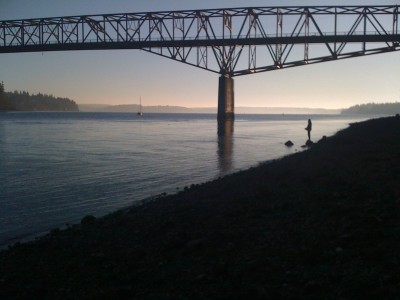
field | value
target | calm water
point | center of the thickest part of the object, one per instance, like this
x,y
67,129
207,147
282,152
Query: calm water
x,y
56,168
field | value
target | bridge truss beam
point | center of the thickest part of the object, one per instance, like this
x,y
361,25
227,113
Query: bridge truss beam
x,y
230,42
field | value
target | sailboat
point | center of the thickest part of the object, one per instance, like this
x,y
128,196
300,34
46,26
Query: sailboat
x,y
140,113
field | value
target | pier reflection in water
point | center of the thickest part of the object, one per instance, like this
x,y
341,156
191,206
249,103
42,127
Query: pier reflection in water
x,y
225,145
2,152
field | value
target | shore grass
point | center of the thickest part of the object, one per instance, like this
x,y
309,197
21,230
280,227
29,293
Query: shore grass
x,y
319,224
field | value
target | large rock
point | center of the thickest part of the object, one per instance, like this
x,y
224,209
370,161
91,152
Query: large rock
x,y
309,143
289,143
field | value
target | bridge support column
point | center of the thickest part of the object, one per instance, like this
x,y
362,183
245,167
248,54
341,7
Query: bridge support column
x,y
226,105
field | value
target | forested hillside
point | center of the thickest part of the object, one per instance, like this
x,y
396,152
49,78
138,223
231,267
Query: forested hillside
x,y
23,101
374,108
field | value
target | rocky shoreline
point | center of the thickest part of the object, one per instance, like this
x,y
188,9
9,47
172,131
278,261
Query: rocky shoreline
x,y
319,224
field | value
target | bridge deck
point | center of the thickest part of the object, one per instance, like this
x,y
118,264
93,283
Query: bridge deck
x,y
394,39
229,41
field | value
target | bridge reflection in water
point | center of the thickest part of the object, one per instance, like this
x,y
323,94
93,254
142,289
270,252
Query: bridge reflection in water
x,y
225,145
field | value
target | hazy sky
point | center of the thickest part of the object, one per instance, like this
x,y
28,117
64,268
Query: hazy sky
x,y
122,76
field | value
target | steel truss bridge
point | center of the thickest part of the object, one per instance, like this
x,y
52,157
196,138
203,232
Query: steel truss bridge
x,y
230,42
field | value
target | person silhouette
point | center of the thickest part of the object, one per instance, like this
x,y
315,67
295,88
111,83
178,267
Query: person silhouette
x,y
309,128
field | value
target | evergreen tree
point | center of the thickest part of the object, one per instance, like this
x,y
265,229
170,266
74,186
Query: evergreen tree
x,y
23,101
3,105
374,108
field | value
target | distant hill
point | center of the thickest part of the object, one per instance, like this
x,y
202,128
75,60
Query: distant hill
x,y
204,110
132,108
374,108
92,107
285,110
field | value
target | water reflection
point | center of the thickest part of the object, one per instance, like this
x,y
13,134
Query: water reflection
x,y
2,142
225,145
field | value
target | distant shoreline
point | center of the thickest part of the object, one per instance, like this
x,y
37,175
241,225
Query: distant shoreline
x,y
212,110
389,108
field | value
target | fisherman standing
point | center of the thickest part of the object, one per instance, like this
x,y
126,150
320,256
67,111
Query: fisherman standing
x,y
309,128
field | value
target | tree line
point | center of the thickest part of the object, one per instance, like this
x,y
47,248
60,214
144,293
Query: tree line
x,y
374,108
23,101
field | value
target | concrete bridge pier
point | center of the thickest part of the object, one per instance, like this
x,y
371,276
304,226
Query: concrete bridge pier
x,y
226,97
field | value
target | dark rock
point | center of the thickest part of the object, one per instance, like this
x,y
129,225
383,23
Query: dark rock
x,y
289,143
88,219
309,143
323,140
